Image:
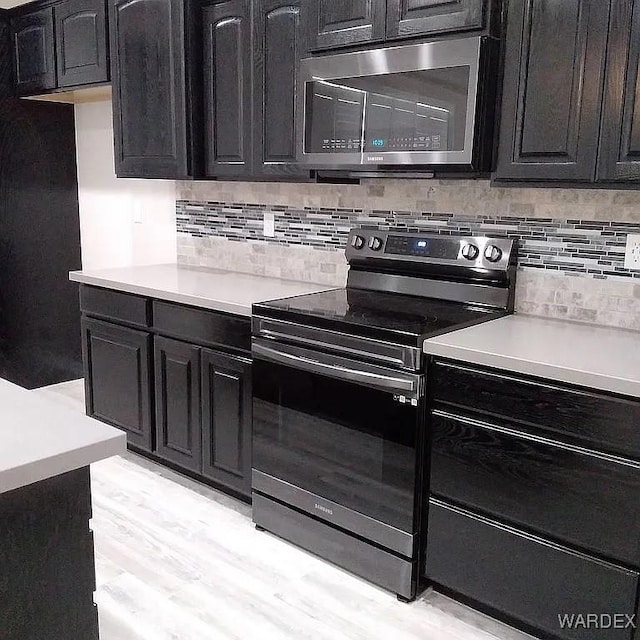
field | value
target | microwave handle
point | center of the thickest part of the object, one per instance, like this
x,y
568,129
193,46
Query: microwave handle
x,y
321,364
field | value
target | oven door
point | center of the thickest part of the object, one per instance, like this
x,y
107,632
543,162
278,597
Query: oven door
x,y
411,104
339,439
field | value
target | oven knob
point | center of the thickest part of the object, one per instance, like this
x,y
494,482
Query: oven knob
x,y
470,251
375,243
357,242
492,253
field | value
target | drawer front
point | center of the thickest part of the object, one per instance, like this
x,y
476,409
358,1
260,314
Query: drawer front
x,y
525,577
208,328
569,493
605,422
115,305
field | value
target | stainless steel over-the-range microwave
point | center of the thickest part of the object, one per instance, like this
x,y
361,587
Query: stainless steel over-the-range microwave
x,y
425,105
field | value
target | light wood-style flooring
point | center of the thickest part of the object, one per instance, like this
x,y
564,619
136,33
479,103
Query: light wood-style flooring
x,y
176,560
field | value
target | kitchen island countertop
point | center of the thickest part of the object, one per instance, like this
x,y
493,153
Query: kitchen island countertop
x,y
40,439
603,358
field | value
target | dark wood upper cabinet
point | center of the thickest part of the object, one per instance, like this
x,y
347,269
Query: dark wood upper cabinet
x,y
407,18
332,24
552,94
155,100
227,86
81,42
226,420
177,390
620,133
277,48
34,52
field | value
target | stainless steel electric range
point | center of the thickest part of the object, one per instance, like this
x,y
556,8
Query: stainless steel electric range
x,y
339,410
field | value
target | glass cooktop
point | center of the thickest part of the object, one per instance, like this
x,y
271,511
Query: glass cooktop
x,y
386,316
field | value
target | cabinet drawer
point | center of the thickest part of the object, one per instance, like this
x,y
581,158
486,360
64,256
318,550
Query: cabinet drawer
x,y
606,422
569,493
525,577
203,327
115,305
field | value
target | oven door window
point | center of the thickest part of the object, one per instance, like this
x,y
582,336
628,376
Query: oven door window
x,y
423,110
341,441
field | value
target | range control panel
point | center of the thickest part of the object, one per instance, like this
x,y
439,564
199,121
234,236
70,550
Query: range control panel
x,y
470,251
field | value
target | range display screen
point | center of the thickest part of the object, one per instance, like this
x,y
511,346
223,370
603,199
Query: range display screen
x,y
420,246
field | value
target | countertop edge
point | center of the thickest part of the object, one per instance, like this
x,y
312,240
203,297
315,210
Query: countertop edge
x,y
160,294
578,377
44,468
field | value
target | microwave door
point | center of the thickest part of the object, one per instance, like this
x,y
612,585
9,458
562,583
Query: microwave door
x,y
410,104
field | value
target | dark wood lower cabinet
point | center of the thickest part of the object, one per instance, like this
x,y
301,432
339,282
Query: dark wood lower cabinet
x,y
226,420
533,501
177,387
177,379
117,366
47,565
526,578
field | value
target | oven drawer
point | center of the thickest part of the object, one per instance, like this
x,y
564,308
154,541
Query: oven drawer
x,y
606,422
525,577
570,493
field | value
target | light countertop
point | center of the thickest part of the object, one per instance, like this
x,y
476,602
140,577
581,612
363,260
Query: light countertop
x,y
40,438
601,358
216,289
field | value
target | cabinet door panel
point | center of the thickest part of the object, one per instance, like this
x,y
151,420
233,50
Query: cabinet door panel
x,y
149,88
227,70
423,17
117,364
81,42
276,48
34,52
336,24
620,133
581,416
552,89
226,420
577,496
177,377
525,577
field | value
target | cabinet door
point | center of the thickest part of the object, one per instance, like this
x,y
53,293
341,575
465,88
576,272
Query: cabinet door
x,y
81,42
34,52
226,420
620,132
117,365
227,75
331,24
406,18
277,46
525,577
149,88
177,376
552,89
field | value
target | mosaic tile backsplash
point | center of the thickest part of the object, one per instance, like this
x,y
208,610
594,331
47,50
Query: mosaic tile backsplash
x,y
572,246
572,242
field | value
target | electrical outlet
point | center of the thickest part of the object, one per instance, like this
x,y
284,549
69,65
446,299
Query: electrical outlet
x,y
269,224
632,253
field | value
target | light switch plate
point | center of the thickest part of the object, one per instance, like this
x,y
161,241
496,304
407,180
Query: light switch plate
x,y
269,224
632,253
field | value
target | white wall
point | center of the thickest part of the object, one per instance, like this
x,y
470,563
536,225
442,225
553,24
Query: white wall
x,y
122,221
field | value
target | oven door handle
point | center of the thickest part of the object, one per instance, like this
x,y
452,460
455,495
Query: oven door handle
x,y
368,375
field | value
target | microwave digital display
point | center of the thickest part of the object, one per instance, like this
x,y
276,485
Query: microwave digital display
x,y
396,112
